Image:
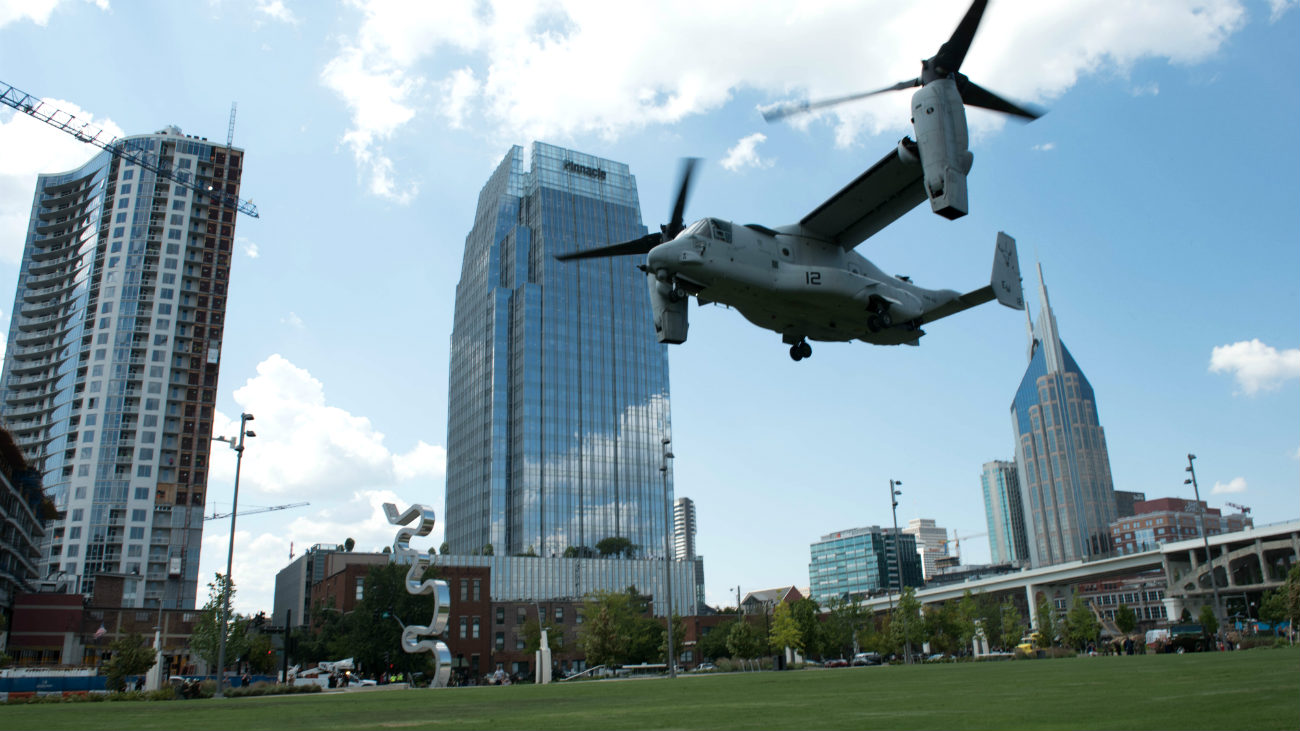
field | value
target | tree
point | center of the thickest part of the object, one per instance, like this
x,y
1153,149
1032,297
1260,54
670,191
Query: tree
x,y
713,645
1208,620
445,548
1126,619
1273,609
1082,626
488,550
906,624
616,546
261,655
372,632
618,630
532,633
349,544
965,620
130,656
1011,624
785,630
843,620
1046,621
205,640
679,637
745,640
804,612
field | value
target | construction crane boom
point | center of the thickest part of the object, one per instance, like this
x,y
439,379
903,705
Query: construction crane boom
x,y
956,541
254,511
89,133
1242,508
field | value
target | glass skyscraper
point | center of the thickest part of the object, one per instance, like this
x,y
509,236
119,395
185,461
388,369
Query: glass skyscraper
x,y
1007,540
558,395
110,369
1061,459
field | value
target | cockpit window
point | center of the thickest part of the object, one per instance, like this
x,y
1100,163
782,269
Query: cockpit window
x,y
721,230
710,228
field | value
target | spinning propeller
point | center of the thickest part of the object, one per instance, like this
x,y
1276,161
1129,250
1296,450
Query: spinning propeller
x,y
644,244
944,64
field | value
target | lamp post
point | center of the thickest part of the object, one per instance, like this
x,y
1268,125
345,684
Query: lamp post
x,y
668,557
238,446
1205,538
898,569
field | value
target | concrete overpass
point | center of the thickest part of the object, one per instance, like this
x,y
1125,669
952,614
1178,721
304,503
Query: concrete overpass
x,y
1252,560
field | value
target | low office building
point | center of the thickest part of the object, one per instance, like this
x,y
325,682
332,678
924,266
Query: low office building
x,y
862,562
1169,519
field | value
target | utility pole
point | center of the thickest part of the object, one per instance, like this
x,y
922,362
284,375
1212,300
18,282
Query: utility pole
x,y
1205,538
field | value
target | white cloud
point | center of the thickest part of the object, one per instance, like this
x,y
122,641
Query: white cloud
x,y
37,11
292,320
1278,8
1256,366
1236,484
32,147
1148,89
1045,147
307,450
250,248
745,154
276,10
567,69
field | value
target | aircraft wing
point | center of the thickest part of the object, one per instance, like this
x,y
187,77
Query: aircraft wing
x,y
876,199
964,302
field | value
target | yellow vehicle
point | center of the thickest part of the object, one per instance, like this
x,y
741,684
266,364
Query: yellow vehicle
x,y
1031,643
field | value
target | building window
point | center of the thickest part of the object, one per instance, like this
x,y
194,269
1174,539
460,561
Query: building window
x,y
478,587
559,615
361,587
464,589
501,615
476,628
464,627
522,616
500,642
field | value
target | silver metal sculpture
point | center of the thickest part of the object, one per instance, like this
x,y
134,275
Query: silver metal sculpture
x,y
419,637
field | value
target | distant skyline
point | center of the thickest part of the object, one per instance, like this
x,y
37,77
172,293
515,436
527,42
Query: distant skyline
x,y
1158,192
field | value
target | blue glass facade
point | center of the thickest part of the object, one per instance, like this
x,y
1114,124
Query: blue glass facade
x,y
1008,542
861,562
1062,463
558,394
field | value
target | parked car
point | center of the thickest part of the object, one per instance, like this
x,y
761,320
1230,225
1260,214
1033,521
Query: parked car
x,y
867,658
838,662
705,667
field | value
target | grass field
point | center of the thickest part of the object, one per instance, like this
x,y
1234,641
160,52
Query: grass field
x,y
1259,689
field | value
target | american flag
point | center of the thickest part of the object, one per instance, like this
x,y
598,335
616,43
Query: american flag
x,y
100,632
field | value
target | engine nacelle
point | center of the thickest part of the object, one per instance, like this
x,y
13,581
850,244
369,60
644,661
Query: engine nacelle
x,y
939,119
670,309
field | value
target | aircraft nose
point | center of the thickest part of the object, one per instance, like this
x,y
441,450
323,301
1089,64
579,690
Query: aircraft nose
x,y
672,255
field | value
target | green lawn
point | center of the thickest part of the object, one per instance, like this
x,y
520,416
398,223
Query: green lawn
x,y
1258,689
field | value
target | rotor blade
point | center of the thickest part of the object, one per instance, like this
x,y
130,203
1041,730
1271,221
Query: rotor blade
x,y
683,191
642,246
952,53
789,110
975,95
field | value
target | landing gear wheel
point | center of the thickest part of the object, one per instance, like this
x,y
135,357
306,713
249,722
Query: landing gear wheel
x,y
796,353
885,319
805,349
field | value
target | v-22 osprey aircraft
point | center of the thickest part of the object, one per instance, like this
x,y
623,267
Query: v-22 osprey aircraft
x,y
804,280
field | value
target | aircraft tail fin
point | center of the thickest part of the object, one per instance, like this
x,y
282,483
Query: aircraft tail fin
x,y
1006,274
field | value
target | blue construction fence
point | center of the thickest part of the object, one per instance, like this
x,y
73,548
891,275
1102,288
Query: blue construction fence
x,y
23,686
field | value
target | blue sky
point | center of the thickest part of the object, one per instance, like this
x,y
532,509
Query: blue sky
x,y
1160,193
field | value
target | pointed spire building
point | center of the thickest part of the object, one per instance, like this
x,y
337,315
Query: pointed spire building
x,y
1062,464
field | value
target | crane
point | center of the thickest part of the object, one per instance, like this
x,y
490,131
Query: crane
x,y
89,133
956,541
1242,508
254,511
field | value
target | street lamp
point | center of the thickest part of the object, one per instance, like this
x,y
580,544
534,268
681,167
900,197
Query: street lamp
x,y
668,557
898,569
1205,538
238,446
